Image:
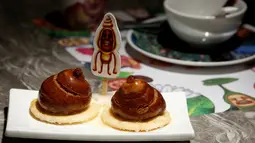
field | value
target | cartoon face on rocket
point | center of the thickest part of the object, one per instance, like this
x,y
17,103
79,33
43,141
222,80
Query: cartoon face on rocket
x,y
107,42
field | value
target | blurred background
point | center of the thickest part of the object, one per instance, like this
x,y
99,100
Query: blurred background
x,y
28,9
12,11
25,10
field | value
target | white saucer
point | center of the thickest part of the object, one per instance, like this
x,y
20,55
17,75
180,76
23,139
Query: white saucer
x,y
184,62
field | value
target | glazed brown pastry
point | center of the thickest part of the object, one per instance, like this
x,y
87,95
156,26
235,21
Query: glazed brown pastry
x,y
137,100
65,93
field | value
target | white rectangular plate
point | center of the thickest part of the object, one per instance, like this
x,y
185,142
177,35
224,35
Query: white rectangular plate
x,y
21,124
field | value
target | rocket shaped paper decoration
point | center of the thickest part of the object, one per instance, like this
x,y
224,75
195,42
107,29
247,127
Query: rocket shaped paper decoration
x,y
107,41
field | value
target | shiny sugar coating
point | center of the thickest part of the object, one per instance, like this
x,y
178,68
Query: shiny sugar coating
x,y
66,92
137,100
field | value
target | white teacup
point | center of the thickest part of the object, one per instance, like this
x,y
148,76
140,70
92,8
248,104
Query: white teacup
x,y
197,7
204,29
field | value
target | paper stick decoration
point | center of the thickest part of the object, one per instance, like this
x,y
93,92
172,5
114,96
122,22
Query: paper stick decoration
x,y
106,60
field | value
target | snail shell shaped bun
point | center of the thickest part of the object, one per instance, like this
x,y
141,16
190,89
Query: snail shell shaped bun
x,y
65,98
65,93
136,107
137,100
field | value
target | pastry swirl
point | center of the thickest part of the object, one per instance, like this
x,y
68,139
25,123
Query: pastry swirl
x,y
137,100
66,92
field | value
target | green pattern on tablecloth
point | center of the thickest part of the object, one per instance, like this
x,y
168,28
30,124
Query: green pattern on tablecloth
x,y
200,105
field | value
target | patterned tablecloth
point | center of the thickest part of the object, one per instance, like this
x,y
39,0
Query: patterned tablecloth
x,y
208,90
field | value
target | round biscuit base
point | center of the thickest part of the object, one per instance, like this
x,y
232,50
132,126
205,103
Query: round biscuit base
x,y
145,126
87,115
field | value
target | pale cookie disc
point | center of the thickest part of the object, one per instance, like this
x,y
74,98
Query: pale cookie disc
x,y
87,115
153,124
